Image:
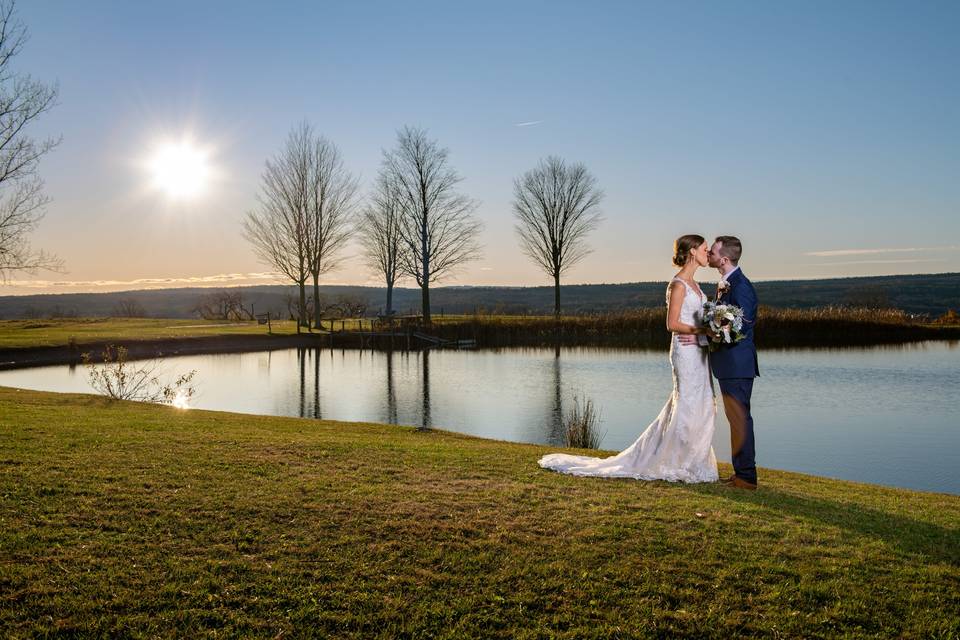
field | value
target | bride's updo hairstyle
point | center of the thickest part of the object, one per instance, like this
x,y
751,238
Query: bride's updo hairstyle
x,y
683,246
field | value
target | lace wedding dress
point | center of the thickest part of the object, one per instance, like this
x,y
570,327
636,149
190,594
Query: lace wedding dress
x,y
677,445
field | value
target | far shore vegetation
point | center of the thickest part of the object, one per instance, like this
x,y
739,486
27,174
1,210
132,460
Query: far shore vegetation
x,y
642,328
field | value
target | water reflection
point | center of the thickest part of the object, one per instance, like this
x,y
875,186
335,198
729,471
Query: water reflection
x,y
391,391
425,390
555,415
308,358
301,362
310,381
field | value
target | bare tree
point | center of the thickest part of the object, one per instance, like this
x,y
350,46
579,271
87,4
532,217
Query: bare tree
x,y
330,201
868,297
292,301
129,308
437,225
556,206
278,229
223,305
22,201
383,245
119,379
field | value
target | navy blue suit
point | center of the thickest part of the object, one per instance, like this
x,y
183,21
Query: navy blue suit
x,y
735,366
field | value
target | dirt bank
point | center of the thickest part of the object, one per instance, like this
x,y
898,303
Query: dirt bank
x,y
139,349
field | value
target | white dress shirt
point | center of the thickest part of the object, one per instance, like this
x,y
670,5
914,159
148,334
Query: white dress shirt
x,y
727,275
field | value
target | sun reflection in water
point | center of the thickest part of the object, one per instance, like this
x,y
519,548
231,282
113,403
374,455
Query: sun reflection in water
x,y
181,401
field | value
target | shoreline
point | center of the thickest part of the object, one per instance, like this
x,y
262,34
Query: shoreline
x,y
141,349
352,424
239,415
147,348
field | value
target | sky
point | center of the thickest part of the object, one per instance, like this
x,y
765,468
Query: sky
x,y
824,134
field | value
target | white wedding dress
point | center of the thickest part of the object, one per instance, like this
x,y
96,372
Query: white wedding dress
x,y
677,445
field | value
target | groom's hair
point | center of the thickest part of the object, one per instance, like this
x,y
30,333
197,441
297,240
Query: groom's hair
x,y
730,248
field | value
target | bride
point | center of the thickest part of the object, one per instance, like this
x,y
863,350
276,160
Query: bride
x,y
676,446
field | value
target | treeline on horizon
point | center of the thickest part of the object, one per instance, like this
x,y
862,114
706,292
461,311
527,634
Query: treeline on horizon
x,y
927,296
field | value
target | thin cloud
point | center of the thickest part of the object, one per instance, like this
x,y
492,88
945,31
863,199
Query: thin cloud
x,y
863,252
528,124
850,262
219,278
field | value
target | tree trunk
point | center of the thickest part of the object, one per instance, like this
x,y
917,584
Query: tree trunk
x,y
302,320
389,298
556,296
425,290
316,301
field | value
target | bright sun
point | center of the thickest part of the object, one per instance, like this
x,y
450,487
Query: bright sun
x,y
180,169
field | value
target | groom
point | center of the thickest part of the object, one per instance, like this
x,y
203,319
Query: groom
x,y
735,365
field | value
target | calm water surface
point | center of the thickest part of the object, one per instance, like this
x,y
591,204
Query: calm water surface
x,y
886,415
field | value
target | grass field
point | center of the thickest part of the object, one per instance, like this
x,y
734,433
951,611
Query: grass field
x,y
56,332
145,521
16,334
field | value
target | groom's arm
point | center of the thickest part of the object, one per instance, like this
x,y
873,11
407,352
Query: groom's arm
x,y
746,298
688,339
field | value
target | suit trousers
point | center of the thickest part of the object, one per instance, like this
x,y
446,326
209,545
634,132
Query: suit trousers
x,y
736,404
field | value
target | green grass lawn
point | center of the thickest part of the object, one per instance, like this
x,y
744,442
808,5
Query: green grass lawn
x,y
16,334
46,333
60,331
144,521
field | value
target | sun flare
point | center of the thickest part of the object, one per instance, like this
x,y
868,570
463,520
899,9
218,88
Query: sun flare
x,y
180,169
181,401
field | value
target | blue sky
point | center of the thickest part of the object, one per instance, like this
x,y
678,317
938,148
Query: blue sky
x,y
805,127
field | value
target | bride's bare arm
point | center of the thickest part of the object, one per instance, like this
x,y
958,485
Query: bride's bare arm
x,y
677,292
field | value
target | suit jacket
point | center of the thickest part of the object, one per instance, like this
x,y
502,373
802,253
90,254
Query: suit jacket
x,y
738,360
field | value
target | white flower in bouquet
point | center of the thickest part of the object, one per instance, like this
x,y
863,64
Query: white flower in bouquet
x,y
725,321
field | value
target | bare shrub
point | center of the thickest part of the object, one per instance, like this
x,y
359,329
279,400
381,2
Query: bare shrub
x,y
581,425
348,306
949,318
119,379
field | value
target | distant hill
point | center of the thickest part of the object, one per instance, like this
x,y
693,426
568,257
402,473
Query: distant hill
x,y
921,294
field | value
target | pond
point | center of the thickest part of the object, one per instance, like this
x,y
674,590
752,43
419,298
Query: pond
x,y
885,415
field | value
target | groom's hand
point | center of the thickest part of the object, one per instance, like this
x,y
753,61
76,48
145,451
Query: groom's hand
x,y
688,339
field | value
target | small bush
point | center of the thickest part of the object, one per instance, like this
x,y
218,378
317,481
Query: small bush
x,y
119,379
581,425
951,317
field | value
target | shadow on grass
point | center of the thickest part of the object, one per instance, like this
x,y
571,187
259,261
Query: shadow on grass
x,y
900,532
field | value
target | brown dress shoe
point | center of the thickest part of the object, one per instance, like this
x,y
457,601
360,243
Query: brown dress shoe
x,y
728,480
740,483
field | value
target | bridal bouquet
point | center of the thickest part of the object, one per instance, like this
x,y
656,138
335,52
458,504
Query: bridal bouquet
x,y
725,321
